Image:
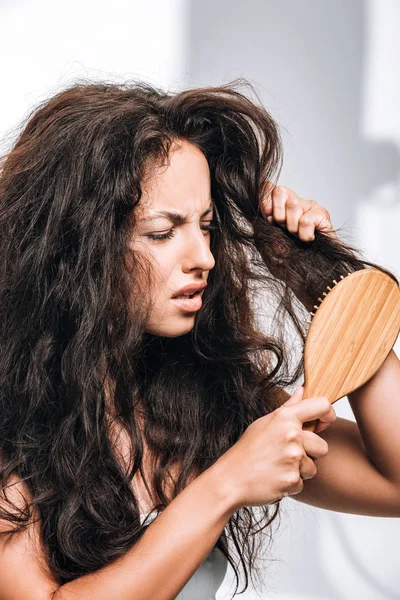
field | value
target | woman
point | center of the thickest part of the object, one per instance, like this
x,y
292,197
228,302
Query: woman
x,y
120,397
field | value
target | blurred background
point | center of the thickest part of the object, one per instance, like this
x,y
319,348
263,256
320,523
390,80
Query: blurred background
x,y
329,73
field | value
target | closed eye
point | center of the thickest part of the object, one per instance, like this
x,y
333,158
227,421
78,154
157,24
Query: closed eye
x,y
169,234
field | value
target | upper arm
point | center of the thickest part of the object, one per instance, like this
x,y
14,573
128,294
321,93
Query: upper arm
x,y
23,571
347,480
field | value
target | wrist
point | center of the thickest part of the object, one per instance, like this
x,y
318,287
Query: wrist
x,y
225,490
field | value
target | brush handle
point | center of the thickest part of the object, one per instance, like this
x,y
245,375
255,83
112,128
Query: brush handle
x,y
309,425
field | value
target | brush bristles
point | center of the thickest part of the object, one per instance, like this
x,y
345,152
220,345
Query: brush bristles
x,y
320,299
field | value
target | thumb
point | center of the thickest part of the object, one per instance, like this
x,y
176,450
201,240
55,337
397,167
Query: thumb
x,y
296,397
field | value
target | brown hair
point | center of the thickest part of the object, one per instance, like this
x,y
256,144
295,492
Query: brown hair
x,y
68,193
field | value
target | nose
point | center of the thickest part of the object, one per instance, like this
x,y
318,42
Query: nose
x,y
197,253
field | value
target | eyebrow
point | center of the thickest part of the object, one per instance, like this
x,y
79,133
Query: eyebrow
x,y
175,217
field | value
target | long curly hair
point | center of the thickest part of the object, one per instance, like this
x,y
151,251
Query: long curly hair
x,y
74,304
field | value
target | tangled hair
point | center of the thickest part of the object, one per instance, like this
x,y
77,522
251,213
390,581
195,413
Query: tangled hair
x,y
73,315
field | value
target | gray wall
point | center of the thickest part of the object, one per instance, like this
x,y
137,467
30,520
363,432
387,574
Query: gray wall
x,y
308,62
306,59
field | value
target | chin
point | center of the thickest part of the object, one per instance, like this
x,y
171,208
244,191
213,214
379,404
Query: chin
x,y
173,329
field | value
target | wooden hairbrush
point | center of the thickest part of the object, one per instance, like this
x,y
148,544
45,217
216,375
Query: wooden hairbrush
x,y
351,333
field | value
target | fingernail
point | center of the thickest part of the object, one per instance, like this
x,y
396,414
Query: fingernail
x,y
270,219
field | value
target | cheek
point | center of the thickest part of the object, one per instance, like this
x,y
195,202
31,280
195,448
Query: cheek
x,y
162,262
161,287
163,265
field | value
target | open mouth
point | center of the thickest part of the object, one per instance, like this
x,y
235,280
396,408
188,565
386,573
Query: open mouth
x,y
191,303
187,296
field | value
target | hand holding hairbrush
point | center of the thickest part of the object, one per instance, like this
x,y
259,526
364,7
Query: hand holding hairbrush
x,y
351,333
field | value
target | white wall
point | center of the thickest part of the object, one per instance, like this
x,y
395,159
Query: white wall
x,y
44,45
329,73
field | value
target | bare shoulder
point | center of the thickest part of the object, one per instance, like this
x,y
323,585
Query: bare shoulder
x,y
23,570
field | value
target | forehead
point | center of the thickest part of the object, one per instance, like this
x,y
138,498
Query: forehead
x,y
182,186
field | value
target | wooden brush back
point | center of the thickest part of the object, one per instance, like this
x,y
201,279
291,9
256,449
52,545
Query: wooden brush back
x,y
351,334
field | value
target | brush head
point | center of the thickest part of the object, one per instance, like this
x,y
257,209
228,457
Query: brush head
x,y
351,333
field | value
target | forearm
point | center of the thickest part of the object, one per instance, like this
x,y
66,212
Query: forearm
x,y
174,545
376,407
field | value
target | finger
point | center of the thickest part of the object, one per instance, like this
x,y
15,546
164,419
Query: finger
x,y
293,213
315,218
328,419
318,425
307,225
296,397
321,426
313,408
314,446
280,195
283,199
307,468
311,425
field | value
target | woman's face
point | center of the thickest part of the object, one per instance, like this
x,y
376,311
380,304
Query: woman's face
x,y
181,256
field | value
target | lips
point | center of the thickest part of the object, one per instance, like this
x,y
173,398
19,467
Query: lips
x,y
189,304
190,289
